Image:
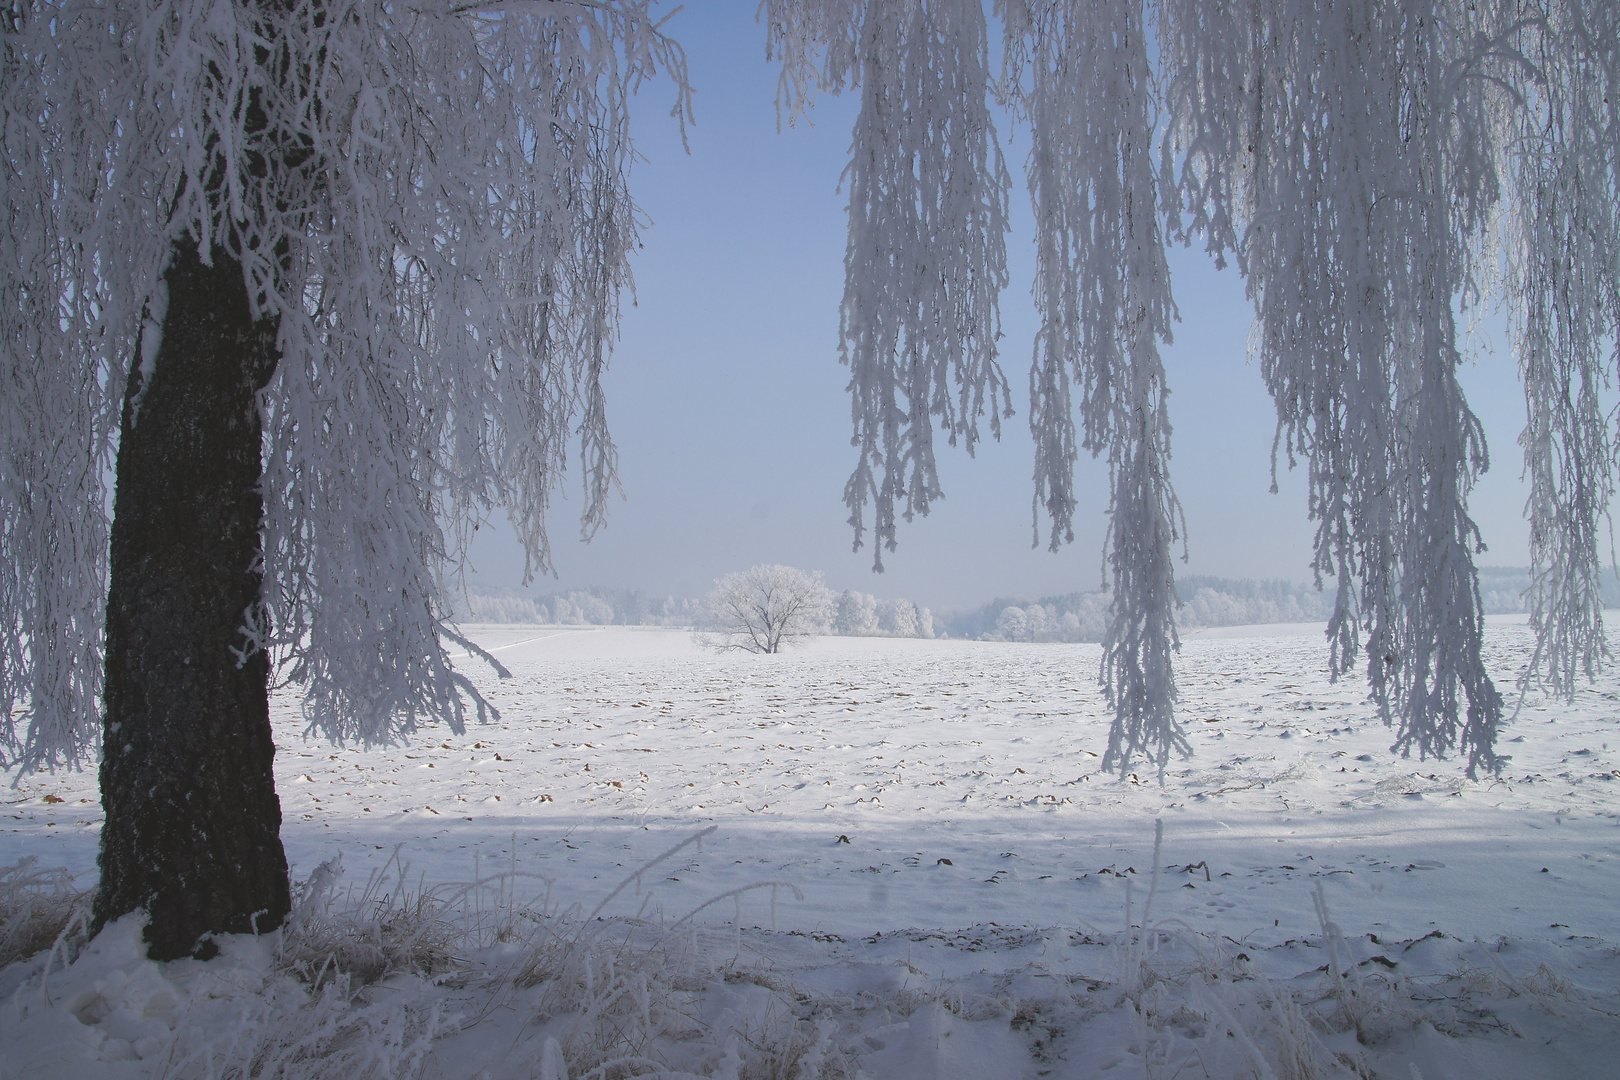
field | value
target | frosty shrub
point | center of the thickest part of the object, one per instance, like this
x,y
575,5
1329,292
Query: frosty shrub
x,y
900,618
482,608
765,608
583,609
36,907
858,614
365,935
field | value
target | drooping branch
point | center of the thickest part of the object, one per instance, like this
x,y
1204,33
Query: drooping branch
x,y
1349,156
925,177
443,255
1081,74
1563,271
65,344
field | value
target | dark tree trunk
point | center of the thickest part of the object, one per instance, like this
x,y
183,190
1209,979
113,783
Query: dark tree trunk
x,y
193,824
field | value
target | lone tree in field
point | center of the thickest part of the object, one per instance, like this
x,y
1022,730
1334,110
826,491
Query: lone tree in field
x,y
765,608
331,279
326,275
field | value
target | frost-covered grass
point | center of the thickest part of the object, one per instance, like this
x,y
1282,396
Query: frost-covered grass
x,y
37,907
468,982
881,857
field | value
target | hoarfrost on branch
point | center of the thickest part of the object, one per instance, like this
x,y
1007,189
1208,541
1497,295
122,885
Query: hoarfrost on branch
x,y
443,260
1378,170
441,246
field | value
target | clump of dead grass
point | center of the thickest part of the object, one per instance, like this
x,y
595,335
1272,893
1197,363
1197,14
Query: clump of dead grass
x,y
38,909
383,928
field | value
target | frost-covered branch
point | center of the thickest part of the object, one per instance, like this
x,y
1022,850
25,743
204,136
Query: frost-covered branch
x,y
925,177
1350,156
1374,168
60,393
1080,70
1563,269
431,204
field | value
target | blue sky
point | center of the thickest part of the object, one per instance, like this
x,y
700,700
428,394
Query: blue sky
x,y
727,400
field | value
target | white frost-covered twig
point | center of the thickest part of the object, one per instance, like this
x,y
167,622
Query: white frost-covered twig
x,y
442,241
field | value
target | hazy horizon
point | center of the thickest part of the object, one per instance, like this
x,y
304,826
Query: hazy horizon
x,y
542,588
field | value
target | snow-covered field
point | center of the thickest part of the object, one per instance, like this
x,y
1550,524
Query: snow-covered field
x,y
913,868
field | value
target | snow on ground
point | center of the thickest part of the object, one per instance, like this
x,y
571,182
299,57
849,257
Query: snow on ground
x,y
897,821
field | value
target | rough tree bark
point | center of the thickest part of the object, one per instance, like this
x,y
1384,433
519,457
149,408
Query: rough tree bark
x,y
193,823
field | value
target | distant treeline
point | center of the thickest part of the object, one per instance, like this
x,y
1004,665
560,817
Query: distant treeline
x,y
858,614
596,606
1207,601
1078,616
851,613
